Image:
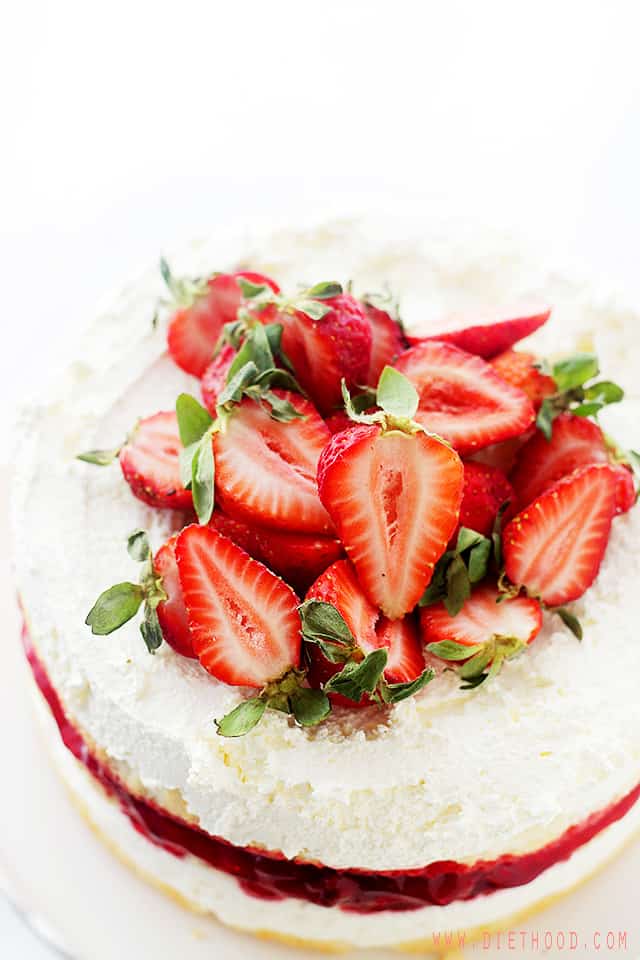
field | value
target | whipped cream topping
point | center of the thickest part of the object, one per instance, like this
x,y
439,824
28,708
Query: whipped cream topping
x,y
448,775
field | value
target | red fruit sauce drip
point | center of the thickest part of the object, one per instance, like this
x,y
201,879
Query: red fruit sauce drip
x,y
271,876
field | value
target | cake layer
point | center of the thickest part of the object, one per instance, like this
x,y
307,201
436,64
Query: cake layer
x,y
270,876
449,775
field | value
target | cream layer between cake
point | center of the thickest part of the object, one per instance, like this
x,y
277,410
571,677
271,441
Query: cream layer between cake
x,y
448,775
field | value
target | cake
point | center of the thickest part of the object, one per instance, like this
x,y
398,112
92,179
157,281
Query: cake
x,y
393,774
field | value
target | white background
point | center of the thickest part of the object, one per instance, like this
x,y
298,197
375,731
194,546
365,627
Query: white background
x,y
128,128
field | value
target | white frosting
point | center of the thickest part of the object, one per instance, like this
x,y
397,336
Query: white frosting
x,y
447,775
213,892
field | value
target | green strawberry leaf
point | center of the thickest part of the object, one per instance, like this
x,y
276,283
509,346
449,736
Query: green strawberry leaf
x,y
324,290
242,718
458,586
545,418
309,707
193,419
355,413
252,290
476,666
138,546
280,408
100,458
570,621
437,589
114,607
478,563
312,309
396,394
575,371
451,650
474,682
356,679
185,461
468,538
396,692
203,479
496,535
150,628
604,392
322,621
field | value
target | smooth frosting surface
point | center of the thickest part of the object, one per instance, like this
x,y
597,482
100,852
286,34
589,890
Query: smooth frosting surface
x,y
448,775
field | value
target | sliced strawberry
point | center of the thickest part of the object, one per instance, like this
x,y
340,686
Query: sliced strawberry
x,y
394,499
371,630
520,370
194,330
626,493
149,462
266,469
555,547
482,618
575,442
462,398
486,489
172,612
299,558
243,619
503,455
325,351
387,341
486,336
214,377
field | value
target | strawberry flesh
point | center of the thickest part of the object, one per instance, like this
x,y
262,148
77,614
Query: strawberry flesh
x,y
214,378
243,619
387,341
150,464
370,629
482,618
299,558
462,398
172,612
325,351
487,336
266,469
555,546
486,489
520,370
194,330
575,442
394,500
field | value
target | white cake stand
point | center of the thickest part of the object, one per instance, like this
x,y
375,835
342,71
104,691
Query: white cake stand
x,y
90,907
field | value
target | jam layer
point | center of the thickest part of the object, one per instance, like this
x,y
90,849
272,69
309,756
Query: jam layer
x,y
271,876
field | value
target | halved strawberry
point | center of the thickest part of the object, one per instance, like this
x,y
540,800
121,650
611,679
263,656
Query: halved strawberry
x,y
266,469
394,499
299,558
626,493
172,612
462,398
575,442
555,546
482,618
149,462
214,378
387,341
520,370
371,630
194,329
243,619
503,455
325,351
486,489
490,334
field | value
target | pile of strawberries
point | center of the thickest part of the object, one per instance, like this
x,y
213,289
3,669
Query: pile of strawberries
x,y
362,510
